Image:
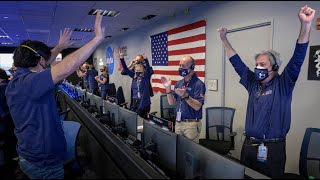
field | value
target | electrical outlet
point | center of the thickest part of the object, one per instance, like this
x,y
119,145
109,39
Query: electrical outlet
x,y
213,84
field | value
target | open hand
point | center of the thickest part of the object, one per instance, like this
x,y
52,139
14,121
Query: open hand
x,y
181,91
166,82
98,29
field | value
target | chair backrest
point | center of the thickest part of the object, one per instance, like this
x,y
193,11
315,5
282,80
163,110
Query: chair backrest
x,y
112,90
120,96
219,122
167,111
309,164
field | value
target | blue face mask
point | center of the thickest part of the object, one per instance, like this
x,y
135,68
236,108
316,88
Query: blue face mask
x,y
139,74
184,72
261,73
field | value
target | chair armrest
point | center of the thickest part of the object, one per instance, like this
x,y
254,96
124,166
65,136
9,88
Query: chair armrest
x,y
123,104
63,112
232,134
154,113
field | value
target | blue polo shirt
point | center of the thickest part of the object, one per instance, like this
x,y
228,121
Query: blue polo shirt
x,y
4,110
269,110
30,97
93,84
104,87
196,90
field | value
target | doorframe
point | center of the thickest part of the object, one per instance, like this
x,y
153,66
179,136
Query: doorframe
x,y
261,23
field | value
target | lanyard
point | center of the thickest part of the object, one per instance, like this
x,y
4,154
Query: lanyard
x,y
180,98
138,84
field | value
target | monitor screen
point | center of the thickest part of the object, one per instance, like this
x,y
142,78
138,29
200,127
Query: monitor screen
x,y
130,118
196,161
166,145
113,110
98,102
163,123
90,96
81,93
6,61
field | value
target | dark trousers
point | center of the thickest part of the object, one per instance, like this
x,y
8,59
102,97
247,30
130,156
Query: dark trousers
x,y
276,159
9,138
96,92
141,112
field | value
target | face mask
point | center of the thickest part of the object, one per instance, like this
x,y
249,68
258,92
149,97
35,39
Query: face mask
x,y
138,74
261,73
184,72
101,70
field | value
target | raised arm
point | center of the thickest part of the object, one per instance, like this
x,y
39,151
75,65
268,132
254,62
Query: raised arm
x,y
125,68
71,62
64,43
306,15
148,72
232,55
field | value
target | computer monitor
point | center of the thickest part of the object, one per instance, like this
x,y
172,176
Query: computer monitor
x,y
81,93
163,123
130,118
113,110
90,96
166,146
196,161
98,101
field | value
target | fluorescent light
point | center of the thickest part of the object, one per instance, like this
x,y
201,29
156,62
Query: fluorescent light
x,y
149,17
5,17
4,37
104,12
124,29
83,30
108,37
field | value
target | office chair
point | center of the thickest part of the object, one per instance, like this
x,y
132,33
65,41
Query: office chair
x,y
309,163
120,98
64,114
112,90
219,134
167,111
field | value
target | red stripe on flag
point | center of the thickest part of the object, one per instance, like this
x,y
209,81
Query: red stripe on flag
x,y
187,27
159,81
201,49
158,89
187,39
198,62
176,73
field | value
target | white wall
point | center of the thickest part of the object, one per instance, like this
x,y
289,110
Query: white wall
x,y
305,100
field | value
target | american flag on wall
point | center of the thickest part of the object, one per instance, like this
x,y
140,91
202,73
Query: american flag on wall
x,y
169,47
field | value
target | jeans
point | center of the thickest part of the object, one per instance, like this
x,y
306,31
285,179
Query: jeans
x,y
47,172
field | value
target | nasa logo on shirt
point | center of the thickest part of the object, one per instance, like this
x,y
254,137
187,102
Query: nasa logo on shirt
x,y
110,59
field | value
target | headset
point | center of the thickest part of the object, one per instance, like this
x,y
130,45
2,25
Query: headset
x,y
275,67
37,53
193,65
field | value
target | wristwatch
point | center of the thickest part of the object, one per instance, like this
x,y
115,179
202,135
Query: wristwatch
x,y
186,98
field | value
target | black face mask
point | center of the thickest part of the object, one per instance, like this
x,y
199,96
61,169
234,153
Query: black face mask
x,y
101,70
184,72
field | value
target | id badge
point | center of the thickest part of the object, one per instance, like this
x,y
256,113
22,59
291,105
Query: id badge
x,y
139,96
178,118
262,153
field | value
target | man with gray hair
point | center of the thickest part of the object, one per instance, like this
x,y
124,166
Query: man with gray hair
x,y
269,105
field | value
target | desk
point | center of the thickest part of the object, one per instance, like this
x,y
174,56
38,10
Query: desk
x,y
109,157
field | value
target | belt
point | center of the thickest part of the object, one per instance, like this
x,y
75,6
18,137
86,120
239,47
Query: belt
x,y
189,120
273,140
